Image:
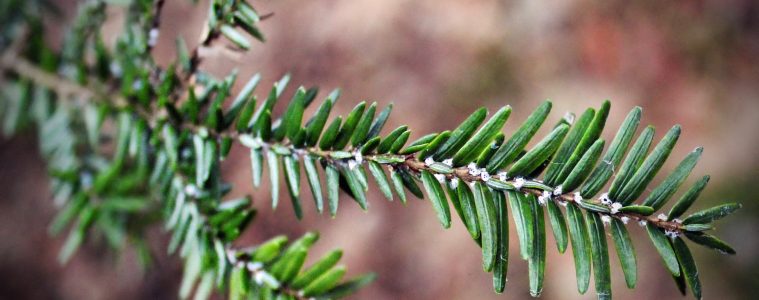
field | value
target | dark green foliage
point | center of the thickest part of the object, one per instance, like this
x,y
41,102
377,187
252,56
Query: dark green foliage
x,y
559,226
462,134
625,252
486,213
580,246
707,216
650,166
583,167
632,161
661,243
588,138
568,146
309,164
603,172
351,121
710,242
509,151
469,211
472,148
689,269
600,254
502,253
666,189
688,198
362,128
539,154
523,220
537,262
437,197
638,209
150,144
434,145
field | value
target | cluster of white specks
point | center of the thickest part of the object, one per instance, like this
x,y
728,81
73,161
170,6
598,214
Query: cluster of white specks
x,y
473,169
153,37
454,182
448,162
258,140
604,198
642,223
606,219
352,164
254,266
543,199
563,203
519,183
358,156
662,217
265,278
137,84
484,175
232,256
115,68
429,161
624,219
87,180
260,276
440,177
672,234
503,176
577,197
569,117
615,207
191,190
558,191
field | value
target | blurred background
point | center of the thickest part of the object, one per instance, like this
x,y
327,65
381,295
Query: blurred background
x,y
687,62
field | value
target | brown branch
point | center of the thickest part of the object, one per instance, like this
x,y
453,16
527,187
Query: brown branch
x,y
463,175
72,92
11,62
411,163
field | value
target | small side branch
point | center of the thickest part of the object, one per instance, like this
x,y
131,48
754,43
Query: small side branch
x,y
155,25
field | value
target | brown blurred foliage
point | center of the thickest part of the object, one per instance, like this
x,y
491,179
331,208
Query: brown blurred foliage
x,y
687,62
